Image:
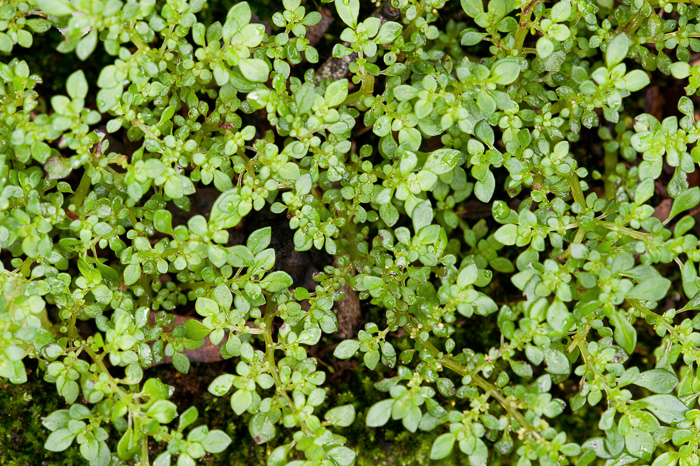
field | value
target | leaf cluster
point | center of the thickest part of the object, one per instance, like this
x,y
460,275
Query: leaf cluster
x,y
492,169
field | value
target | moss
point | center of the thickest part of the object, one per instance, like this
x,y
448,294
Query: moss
x,y
22,437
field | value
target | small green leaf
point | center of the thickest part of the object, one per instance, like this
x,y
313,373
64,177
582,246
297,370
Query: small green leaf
x,y
686,200
442,446
57,419
173,187
90,450
388,32
667,408
348,10
652,289
261,428
187,418
442,161
389,214
636,80
371,358
278,457
107,99
405,92
558,316
554,408
195,329
467,276
346,349
422,215
276,281
644,191
694,303
471,38
485,133
544,47
371,282
561,11
162,411
521,368
59,440
216,441
155,389
254,69
162,221
665,459
77,85
224,212
241,256
312,19
181,363
102,293
6,43
505,71
379,413
132,273
617,50
241,12
336,93
412,419
473,7
507,234
57,168
625,334
223,296
56,7
657,380
221,385
341,416
342,456
556,362
240,400
309,336
680,70
86,45
206,307
640,444
128,444
484,190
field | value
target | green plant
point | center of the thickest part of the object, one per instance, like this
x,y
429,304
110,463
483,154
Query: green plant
x,y
582,273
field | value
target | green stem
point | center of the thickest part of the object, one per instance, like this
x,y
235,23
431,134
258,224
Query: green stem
x,y
148,295
659,320
132,217
366,89
669,35
73,335
484,384
608,225
627,231
81,192
524,25
632,25
144,451
270,359
675,336
610,166
249,165
585,355
576,190
26,267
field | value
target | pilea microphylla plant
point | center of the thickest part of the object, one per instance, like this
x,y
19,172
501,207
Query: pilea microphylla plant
x,y
495,167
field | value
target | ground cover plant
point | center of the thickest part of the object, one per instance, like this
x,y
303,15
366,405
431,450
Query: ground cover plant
x,y
463,227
